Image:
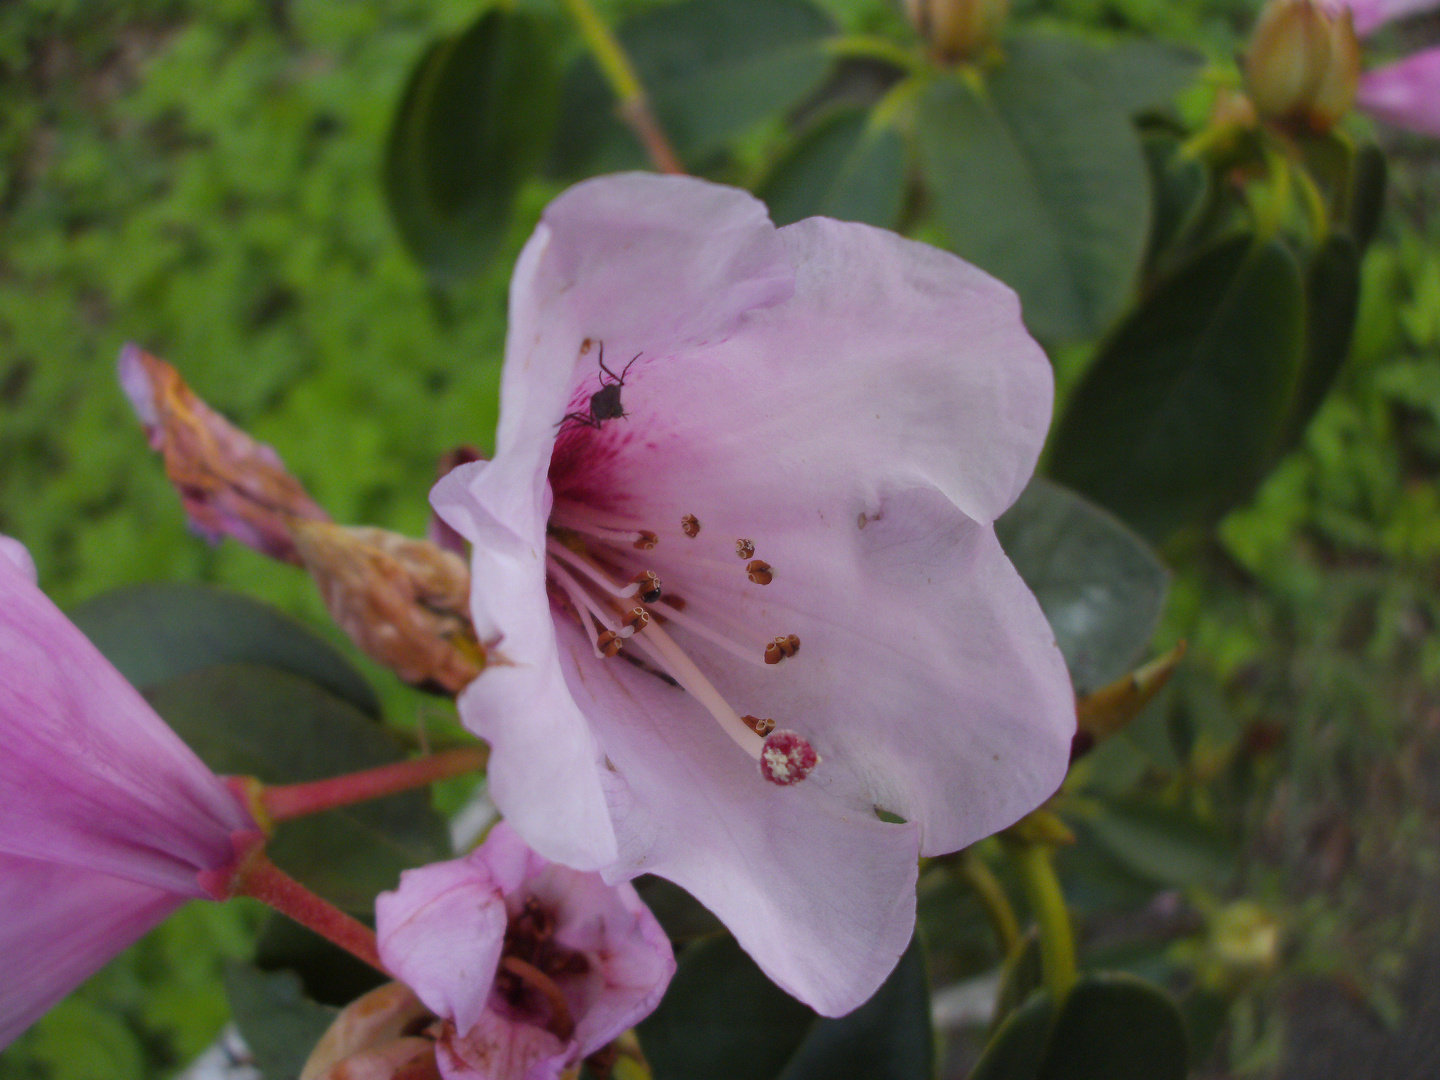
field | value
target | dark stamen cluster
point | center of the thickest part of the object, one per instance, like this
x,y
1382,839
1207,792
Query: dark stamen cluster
x,y
533,965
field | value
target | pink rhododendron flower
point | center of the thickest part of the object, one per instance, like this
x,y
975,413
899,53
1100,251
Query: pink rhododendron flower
x,y
532,966
106,817
1405,93
769,506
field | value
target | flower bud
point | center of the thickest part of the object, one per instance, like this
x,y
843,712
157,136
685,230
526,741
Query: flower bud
x,y
958,29
1303,64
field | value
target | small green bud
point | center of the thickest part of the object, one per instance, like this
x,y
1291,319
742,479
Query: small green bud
x,y
1303,63
958,29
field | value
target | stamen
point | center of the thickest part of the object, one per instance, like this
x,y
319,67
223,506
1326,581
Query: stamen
x,y
782,648
690,526
670,658
758,571
587,611
636,619
675,611
786,758
648,583
608,643
561,1024
745,549
590,570
759,726
646,540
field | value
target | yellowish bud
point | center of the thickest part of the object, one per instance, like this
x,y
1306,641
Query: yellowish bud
x,y
958,29
1303,63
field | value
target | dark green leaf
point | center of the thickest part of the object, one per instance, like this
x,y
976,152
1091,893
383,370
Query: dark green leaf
x,y
279,1023
155,632
329,974
842,169
1182,406
1116,1027
722,1019
1161,844
1366,194
1100,585
472,126
712,69
887,1038
1180,187
1332,300
1016,1050
1139,75
246,719
1022,975
1040,180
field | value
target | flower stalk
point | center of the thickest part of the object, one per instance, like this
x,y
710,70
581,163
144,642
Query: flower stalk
x,y
1057,939
262,880
991,895
283,802
620,73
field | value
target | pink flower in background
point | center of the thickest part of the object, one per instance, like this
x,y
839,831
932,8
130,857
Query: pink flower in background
x,y
106,817
744,570
531,965
1405,93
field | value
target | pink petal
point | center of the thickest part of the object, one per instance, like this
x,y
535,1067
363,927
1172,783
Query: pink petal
x,y
17,554
441,933
1370,14
1406,94
58,926
90,776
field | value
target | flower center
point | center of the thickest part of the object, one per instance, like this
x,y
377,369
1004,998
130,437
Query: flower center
x,y
532,967
598,570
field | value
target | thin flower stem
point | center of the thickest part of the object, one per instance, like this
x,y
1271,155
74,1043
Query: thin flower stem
x,y
615,66
286,801
264,881
991,894
1057,939
875,47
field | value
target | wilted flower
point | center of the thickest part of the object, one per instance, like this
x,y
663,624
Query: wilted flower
x,y
744,480
532,966
107,820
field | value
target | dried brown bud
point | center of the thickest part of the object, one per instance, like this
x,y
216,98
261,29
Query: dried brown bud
x,y
229,484
379,1036
404,602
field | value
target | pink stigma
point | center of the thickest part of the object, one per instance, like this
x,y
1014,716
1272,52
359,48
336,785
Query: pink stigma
x,y
787,758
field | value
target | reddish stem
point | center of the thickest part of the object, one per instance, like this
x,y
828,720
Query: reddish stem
x,y
285,801
266,882
637,114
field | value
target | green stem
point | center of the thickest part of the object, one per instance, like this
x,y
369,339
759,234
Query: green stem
x,y
874,47
1057,939
615,66
991,894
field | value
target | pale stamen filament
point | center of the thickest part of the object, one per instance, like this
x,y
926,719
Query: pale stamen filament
x,y
592,522
585,608
670,658
589,569
754,654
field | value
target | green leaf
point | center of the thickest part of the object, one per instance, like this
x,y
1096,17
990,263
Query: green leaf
x,y
1116,1027
1099,584
1181,407
1022,974
1040,180
1161,844
279,1023
153,633
1180,189
722,1019
711,68
473,124
683,917
887,1038
251,720
1017,1048
840,168
1139,75
1366,194
1332,301
329,974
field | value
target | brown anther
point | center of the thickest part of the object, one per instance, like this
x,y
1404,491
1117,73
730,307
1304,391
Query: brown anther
x,y
745,549
646,540
608,642
758,571
649,583
690,526
585,346
637,619
758,726
782,648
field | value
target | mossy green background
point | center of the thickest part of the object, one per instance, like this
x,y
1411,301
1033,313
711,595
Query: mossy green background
x,y
203,179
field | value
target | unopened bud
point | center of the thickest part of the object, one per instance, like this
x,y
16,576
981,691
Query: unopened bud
x,y
958,29
376,1037
1303,63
